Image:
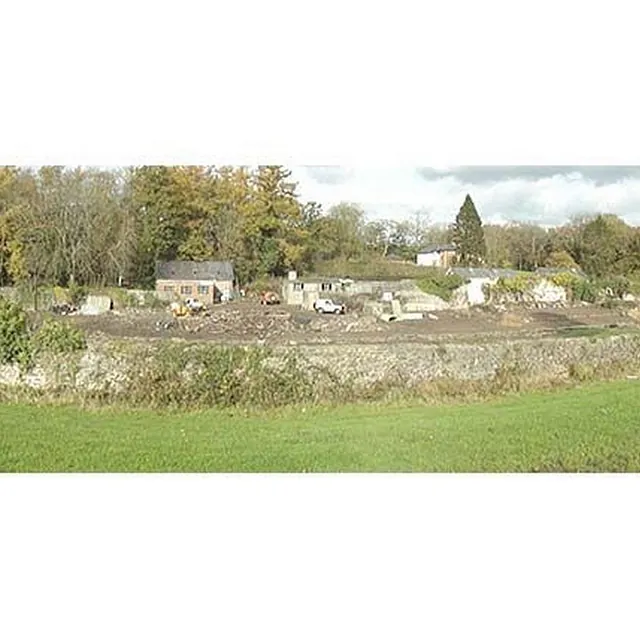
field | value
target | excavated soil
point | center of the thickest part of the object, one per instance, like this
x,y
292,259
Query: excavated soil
x,y
246,322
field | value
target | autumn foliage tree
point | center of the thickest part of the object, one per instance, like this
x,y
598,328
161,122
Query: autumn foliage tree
x,y
70,227
7,224
602,244
89,226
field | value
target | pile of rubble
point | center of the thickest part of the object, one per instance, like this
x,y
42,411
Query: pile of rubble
x,y
231,324
634,314
94,305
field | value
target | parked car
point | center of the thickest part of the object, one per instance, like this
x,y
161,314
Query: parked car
x,y
194,305
326,305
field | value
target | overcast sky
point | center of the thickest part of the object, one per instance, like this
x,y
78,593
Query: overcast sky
x,y
546,195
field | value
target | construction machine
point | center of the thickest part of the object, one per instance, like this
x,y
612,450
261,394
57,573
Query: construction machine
x,y
190,307
269,297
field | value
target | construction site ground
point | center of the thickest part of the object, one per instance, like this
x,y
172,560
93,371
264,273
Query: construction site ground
x,y
248,322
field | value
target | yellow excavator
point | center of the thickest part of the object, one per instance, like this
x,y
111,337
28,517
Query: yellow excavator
x,y
189,307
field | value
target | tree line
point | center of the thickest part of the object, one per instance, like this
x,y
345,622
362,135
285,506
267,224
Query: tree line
x,y
90,226
601,245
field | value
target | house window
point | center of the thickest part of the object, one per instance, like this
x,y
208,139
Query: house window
x,y
298,286
203,290
325,286
168,288
186,290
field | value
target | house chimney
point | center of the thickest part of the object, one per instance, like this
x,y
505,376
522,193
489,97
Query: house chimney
x,y
293,275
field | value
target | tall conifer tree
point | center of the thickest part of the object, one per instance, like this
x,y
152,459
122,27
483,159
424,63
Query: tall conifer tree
x,y
468,235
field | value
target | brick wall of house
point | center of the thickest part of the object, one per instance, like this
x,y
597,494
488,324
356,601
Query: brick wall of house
x,y
203,290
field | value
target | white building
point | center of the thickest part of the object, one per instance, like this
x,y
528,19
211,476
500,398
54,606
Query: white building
x,y
436,255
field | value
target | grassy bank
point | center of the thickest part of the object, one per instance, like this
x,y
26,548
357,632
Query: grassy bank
x,y
594,428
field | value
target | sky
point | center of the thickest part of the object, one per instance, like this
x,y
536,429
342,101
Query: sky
x,y
545,195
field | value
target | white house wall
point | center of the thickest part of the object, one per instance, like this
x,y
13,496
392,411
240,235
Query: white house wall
x,y
471,293
428,259
547,292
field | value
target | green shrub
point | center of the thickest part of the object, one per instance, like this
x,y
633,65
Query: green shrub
x,y
440,284
24,295
61,296
560,260
634,283
15,343
77,294
582,372
262,285
519,284
122,299
151,301
584,290
57,337
618,285
577,288
565,280
200,376
508,377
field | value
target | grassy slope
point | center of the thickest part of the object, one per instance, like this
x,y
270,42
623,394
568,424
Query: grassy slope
x,y
593,428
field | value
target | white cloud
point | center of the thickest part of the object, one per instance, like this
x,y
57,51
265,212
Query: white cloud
x,y
524,194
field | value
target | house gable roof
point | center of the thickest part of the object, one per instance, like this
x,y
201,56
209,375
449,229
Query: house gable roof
x,y
317,280
552,271
187,270
437,248
477,272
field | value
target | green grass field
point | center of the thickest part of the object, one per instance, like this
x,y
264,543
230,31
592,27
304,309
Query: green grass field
x,y
594,428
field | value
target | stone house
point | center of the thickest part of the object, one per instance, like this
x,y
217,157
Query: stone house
x,y
207,281
436,255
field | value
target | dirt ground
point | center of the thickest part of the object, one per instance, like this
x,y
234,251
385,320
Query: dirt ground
x,y
246,322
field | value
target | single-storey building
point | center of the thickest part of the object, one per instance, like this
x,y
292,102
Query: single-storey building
x,y
305,291
436,255
208,281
